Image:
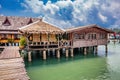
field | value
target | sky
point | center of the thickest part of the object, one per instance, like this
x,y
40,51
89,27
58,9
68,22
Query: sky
x,y
66,13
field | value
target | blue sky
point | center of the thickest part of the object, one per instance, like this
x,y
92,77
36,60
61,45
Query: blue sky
x,y
66,13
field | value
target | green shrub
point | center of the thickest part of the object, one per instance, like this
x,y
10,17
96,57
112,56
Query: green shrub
x,y
22,41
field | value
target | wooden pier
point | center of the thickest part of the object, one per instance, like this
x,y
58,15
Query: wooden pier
x,y
12,65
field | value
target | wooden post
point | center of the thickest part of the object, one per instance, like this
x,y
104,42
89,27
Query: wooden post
x,y
96,49
66,52
89,49
106,49
22,53
85,51
44,55
93,49
29,56
72,55
58,53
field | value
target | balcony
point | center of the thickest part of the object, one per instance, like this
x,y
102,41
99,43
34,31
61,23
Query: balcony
x,y
49,45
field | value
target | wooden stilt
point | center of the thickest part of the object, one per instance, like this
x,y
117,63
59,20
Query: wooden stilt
x,y
85,51
96,49
92,49
29,56
22,54
66,53
58,53
106,49
88,49
44,55
72,55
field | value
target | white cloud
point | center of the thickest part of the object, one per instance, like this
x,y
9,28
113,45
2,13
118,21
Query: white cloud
x,y
79,12
35,5
112,8
24,5
103,18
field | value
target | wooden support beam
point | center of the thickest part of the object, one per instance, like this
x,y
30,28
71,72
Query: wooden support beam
x,y
29,56
66,54
96,49
85,51
58,53
106,49
44,55
71,52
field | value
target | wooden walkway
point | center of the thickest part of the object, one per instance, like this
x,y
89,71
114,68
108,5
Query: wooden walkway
x,y
12,65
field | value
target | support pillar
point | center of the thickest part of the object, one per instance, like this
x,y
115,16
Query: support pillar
x,y
106,49
22,54
96,49
29,56
66,53
71,51
89,49
85,51
44,55
58,53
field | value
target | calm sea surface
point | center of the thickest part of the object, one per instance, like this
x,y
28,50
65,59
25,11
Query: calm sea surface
x,y
90,67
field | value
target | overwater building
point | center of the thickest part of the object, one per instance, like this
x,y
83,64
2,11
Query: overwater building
x,y
9,25
43,36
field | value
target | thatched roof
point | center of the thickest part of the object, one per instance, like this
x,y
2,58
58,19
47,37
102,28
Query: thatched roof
x,y
40,27
13,22
86,27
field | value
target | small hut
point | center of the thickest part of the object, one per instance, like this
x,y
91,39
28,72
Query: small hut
x,y
41,35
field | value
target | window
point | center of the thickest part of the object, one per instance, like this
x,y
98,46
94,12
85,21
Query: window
x,y
102,36
3,36
79,36
89,36
76,36
92,36
16,36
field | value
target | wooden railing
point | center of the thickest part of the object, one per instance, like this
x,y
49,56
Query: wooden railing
x,y
48,44
66,43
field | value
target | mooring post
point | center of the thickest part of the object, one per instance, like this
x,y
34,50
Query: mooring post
x,y
72,54
44,54
29,56
66,52
85,51
58,53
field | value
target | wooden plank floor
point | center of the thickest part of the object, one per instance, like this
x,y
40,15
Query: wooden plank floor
x,y
12,65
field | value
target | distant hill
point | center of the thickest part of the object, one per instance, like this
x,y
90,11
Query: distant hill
x,y
117,30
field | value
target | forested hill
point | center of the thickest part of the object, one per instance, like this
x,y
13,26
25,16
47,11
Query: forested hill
x,y
117,30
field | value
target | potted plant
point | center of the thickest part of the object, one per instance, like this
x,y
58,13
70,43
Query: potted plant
x,y
22,42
